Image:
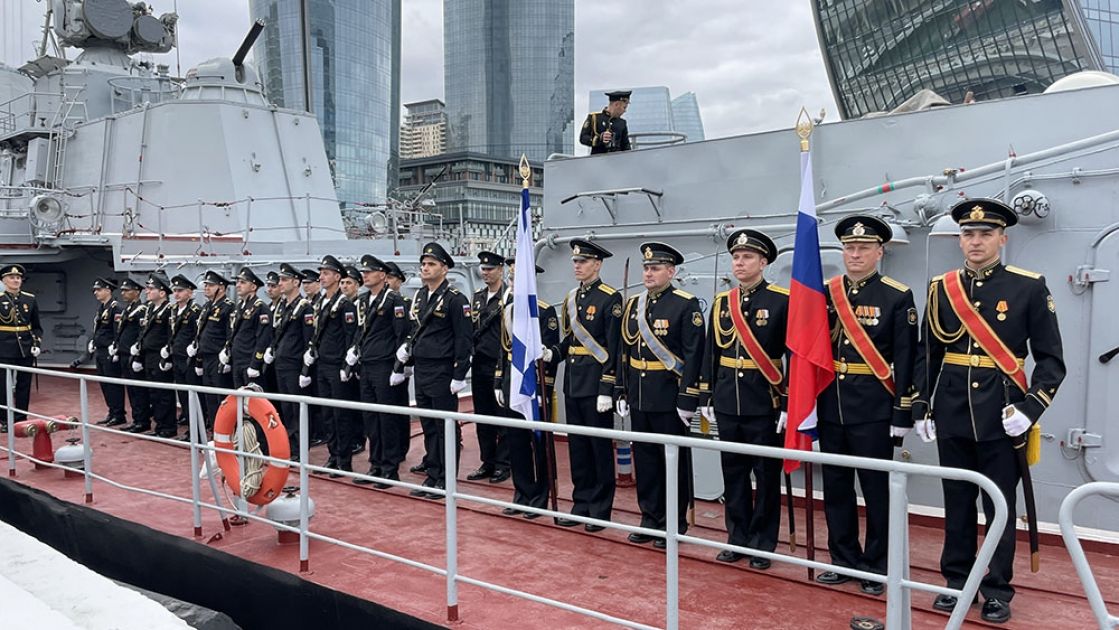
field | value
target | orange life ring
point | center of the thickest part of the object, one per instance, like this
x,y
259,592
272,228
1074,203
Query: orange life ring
x,y
276,438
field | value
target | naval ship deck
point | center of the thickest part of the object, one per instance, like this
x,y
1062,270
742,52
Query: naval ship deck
x,y
600,571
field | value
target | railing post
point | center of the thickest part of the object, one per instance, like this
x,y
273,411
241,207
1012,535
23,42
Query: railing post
x,y
671,530
11,420
450,470
304,488
897,559
195,473
87,453
1065,517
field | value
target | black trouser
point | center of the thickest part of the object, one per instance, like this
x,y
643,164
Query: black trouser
x,y
22,394
240,379
433,391
184,374
753,517
213,376
492,449
138,397
387,432
162,400
592,459
870,439
287,382
995,459
112,392
528,460
648,461
340,423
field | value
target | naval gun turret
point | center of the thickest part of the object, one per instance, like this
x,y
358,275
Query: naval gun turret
x,y
129,27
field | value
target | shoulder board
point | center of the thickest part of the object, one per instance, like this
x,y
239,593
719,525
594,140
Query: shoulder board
x,y
777,289
1022,272
684,294
723,295
452,290
543,304
608,290
938,278
112,303
31,295
890,282
195,307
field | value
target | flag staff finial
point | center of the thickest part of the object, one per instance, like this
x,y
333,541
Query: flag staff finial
x,y
526,172
804,128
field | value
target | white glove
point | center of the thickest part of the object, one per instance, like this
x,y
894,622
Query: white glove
x,y
899,432
707,412
309,358
546,354
113,351
926,430
192,349
602,404
396,378
198,370
90,347
685,416
226,368
223,356
35,350
1014,422
345,375
402,354
251,373
115,358
782,422
622,407
134,350
352,356
269,356
457,386
304,381
137,366
165,367
499,396
165,352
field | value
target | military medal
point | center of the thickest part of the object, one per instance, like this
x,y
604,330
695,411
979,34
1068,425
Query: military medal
x,y
1002,308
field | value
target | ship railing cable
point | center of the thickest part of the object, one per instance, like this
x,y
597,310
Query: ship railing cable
x,y
897,578
1065,518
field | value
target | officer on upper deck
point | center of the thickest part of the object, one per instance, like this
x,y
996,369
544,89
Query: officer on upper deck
x,y
605,131
20,333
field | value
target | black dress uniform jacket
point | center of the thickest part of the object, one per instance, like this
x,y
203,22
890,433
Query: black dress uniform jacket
x,y
885,308
128,333
487,313
967,401
676,319
184,328
448,333
292,331
384,325
105,325
252,333
598,123
213,326
737,390
338,323
19,324
599,309
155,334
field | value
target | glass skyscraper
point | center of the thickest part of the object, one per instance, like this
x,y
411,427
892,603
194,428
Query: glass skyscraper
x,y
686,118
1102,17
879,53
509,76
355,67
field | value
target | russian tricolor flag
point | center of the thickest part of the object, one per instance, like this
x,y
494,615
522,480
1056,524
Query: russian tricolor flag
x,y
809,338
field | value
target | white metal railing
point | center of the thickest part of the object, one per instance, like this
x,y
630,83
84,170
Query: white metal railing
x,y
1076,550
898,583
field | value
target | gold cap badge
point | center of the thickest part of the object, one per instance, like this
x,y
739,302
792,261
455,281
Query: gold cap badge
x,y
858,230
648,253
977,214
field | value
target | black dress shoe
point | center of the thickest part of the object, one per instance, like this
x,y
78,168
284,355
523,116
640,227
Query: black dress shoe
x,y
435,496
137,428
871,587
116,422
761,564
592,528
423,494
640,539
566,522
531,515
660,543
317,441
166,433
727,555
481,473
996,610
945,602
342,468
511,511
373,472
831,578
500,476
419,468
102,422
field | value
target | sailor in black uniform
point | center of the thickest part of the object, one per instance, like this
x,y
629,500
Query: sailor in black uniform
x,y
125,348
104,333
439,348
275,303
973,407
184,330
743,387
395,278
20,334
213,336
351,288
293,327
591,314
486,309
662,352
868,405
606,131
250,331
312,289
155,336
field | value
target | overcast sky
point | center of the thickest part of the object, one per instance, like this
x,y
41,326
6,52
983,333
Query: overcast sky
x,y
751,63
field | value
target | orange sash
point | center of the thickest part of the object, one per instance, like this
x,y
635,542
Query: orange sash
x,y
750,342
859,338
981,331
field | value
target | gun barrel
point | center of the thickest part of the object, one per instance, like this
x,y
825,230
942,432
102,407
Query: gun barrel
x,y
250,39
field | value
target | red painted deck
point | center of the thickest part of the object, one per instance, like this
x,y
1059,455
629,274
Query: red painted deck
x,y
600,571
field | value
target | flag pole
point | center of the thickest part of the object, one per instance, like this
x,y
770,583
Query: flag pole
x,y
804,131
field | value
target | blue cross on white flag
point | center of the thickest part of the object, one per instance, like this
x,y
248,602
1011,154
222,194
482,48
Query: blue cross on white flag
x,y
523,386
